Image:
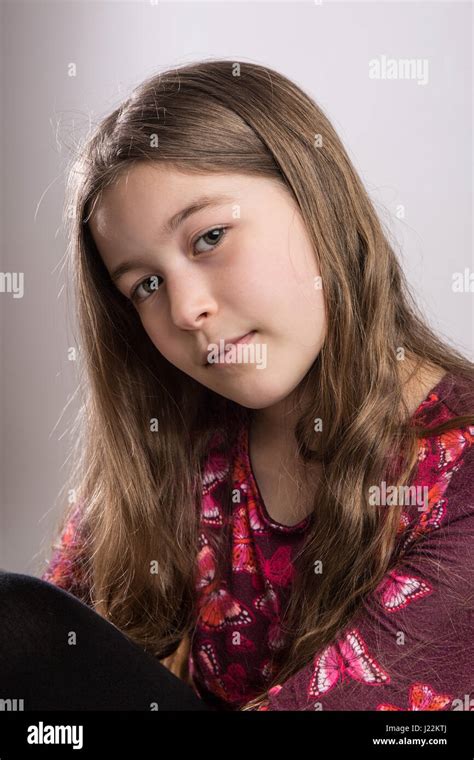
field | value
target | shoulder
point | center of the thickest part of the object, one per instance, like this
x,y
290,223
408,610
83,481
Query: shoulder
x,y
454,447
448,453
442,500
456,393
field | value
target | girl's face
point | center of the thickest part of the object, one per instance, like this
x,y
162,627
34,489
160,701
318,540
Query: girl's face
x,y
239,261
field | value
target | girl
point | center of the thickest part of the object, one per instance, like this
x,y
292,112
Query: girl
x,y
284,521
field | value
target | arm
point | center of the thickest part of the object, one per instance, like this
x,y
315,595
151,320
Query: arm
x,y
411,646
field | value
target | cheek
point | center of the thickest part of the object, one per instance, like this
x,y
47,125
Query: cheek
x,y
303,285
311,320
261,278
293,300
159,336
289,289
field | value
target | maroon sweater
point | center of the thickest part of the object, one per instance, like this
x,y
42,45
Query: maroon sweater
x,y
410,647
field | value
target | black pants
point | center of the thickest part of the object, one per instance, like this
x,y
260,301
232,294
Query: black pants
x,y
103,670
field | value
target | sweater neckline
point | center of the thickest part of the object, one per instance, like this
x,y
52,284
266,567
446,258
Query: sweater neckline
x,y
439,393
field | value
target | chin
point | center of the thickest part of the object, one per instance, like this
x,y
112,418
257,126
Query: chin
x,y
252,392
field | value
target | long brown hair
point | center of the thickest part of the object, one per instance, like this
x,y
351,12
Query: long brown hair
x,y
141,489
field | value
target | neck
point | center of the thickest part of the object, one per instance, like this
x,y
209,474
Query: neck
x,y
275,424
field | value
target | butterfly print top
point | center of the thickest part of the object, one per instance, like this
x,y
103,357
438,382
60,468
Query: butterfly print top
x,y
411,644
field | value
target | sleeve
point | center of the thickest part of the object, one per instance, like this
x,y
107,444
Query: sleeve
x,y
411,645
67,566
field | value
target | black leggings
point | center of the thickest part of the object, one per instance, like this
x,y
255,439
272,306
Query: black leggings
x,y
103,670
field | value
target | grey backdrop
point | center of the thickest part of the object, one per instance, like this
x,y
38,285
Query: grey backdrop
x,y
411,143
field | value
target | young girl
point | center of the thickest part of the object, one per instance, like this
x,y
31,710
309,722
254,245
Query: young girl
x,y
284,521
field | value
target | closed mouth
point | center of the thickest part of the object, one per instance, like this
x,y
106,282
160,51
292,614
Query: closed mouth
x,y
243,339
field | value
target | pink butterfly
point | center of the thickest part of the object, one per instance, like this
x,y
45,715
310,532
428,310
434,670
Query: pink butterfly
x,y
217,607
453,442
269,605
244,481
256,523
230,686
278,569
243,554
348,657
268,602
397,591
429,520
441,459
215,471
421,697
404,523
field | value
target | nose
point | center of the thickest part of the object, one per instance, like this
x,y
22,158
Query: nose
x,y
190,299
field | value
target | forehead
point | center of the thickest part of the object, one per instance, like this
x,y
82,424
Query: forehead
x,y
130,213
163,189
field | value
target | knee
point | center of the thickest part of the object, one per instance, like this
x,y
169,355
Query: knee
x,y
17,586
33,614
28,603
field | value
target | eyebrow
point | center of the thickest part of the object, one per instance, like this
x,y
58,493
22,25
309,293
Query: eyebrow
x,y
170,226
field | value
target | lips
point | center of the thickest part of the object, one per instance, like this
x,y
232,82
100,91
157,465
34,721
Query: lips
x,y
227,341
242,339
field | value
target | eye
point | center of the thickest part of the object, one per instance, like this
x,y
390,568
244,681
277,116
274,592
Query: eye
x,y
154,278
214,243
154,286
